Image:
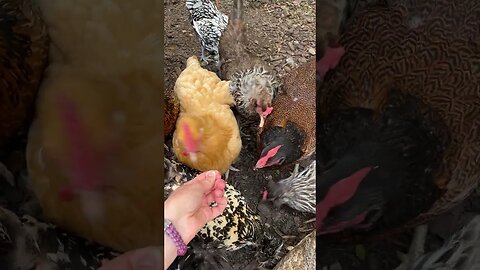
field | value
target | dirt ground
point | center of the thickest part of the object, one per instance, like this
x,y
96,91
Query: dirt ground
x,y
283,34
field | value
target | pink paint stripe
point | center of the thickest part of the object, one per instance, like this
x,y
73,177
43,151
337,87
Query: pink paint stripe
x,y
81,160
263,161
339,193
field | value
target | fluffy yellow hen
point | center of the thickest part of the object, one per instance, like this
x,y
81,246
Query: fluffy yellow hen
x,y
207,136
94,150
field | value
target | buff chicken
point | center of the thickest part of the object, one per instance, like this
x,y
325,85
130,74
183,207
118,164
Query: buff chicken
x,y
254,84
398,125
93,150
206,136
24,54
288,136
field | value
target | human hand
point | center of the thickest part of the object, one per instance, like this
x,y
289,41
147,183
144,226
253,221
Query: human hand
x,y
188,207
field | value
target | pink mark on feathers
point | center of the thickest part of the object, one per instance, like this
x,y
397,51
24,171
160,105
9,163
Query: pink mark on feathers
x,y
262,162
264,195
190,144
339,193
330,60
82,160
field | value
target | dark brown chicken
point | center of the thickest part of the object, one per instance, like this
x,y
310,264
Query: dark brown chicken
x,y
399,126
24,55
172,104
289,132
253,83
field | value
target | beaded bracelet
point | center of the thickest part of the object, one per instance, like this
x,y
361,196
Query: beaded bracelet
x,y
170,230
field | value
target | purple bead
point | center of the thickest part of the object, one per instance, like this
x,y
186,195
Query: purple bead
x,y
177,239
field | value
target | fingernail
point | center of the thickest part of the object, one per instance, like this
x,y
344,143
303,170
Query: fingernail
x,y
148,259
211,175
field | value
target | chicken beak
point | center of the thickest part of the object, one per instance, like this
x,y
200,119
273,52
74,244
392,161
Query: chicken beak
x,y
262,121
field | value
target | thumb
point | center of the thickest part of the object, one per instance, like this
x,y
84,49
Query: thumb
x,y
205,181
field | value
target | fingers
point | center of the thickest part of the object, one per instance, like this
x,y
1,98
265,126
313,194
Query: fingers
x,y
206,181
218,193
220,184
214,195
149,258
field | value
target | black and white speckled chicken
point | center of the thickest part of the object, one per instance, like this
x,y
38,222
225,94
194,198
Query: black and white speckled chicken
x,y
209,23
26,243
297,191
254,84
236,228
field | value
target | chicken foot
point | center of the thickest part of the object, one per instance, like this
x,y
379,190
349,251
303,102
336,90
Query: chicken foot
x,y
416,248
227,173
205,59
295,169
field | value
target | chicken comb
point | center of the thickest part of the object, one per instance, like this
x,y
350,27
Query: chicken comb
x,y
81,159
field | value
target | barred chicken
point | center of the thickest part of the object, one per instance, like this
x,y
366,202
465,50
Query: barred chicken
x,y
92,152
398,128
254,84
297,191
209,23
207,136
24,53
288,136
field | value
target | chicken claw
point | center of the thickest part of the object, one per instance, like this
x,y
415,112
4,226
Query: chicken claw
x,y
416,248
